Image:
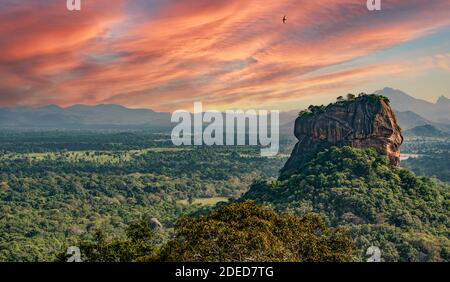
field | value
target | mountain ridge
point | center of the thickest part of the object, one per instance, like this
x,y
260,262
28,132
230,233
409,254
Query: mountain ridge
x,y
438,112
113,115
82,116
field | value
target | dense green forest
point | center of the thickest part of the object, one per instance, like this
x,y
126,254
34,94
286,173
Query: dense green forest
x,y
433,165
406,216
433,157
58,187
96,188
233,233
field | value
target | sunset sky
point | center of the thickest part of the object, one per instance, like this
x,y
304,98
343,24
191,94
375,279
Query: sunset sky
x,y
166,54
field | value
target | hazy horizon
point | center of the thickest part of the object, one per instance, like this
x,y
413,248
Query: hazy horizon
x,y
295,108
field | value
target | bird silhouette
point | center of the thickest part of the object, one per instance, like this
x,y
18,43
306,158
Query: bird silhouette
x,y
284,19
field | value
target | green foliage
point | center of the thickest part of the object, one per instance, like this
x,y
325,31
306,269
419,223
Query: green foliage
x,y
431,156
247,233
140,242
241,232
358,190
371,98
57,187
341,101
435,165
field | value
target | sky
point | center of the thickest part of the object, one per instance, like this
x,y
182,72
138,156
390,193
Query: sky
x,y
228,54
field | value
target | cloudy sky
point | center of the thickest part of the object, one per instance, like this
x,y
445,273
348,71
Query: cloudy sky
x,y
166,54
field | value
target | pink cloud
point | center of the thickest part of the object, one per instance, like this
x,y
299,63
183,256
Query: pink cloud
x,y
222,52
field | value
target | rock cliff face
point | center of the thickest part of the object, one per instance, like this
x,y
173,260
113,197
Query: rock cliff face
x,y
363,122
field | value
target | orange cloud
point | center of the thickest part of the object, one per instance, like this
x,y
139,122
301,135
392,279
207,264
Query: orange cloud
x,y
167,54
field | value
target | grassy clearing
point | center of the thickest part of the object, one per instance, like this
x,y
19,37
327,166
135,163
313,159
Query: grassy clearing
x,y
204,201
159,150
99,157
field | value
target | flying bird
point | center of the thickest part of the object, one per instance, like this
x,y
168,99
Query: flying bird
x,y
284,19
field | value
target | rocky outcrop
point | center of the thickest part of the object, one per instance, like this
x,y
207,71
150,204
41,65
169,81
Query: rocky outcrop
x,y
363,122
155,224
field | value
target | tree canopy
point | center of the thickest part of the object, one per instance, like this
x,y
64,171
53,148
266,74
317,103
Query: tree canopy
x,y
241,232
405,215
246,232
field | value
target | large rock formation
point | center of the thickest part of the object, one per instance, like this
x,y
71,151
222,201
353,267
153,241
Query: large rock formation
x,y
363,122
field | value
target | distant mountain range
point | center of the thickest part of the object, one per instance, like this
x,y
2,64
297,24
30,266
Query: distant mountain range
x,y
438,112
425,131
408,120
82,117
410,112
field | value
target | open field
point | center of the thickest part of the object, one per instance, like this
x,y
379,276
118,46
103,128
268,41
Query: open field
x,y
204,201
